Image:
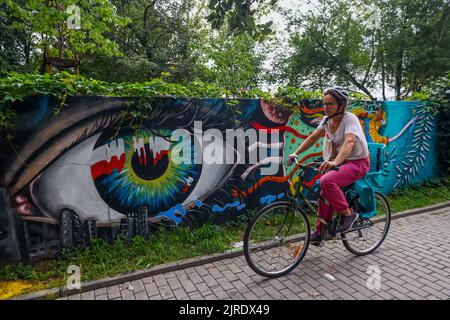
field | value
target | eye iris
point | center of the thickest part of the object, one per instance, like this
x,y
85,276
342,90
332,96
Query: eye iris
x,y
145,174
149,165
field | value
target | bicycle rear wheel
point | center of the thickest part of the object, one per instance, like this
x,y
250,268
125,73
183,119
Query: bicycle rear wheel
x,y
277,239
372,232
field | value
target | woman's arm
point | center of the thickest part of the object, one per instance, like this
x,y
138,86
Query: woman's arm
x,y
346,149
344,152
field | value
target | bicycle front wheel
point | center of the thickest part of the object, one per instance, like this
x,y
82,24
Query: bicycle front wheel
x,y
277,239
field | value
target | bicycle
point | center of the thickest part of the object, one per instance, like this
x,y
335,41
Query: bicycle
x,y
277,239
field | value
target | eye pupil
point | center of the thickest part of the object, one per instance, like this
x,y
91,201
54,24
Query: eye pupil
x,y
149,178
149,165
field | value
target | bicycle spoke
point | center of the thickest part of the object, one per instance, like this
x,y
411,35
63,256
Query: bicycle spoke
x,y
372,231
273,239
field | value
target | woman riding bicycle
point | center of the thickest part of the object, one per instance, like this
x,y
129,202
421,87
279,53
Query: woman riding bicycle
x,y
345,146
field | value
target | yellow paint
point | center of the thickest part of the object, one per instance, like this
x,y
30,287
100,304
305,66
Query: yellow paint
x,y
9,289
293,185
376,121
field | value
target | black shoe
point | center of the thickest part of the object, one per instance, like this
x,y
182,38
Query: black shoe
x,y
347,222
316,239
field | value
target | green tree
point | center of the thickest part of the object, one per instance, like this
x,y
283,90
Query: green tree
x,y
16,43
51,26
415,43
333,43
232,62
159,41
239,15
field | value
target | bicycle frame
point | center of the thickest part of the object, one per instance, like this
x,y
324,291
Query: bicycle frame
x,y
360,187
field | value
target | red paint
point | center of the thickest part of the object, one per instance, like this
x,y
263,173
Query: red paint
x,y
185,188
145,157
293,140
25,209
311,111
281,129
310,183
275,179
21,199
105,168
159,156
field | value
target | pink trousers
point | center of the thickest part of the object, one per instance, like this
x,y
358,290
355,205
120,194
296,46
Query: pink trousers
x,y
331,184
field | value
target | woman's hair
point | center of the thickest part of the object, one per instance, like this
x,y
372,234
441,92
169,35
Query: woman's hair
x,y
339,94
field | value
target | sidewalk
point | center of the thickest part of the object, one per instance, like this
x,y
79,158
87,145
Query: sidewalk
x,y
414,261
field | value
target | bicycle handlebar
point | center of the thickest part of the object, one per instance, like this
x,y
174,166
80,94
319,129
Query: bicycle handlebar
x,y
311,165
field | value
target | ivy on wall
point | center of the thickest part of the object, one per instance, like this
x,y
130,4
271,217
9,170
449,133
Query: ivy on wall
x,y
15,87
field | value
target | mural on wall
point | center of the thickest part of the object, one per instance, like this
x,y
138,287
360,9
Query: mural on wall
x,y
84,174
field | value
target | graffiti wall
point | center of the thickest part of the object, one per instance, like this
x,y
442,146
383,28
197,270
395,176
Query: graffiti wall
x,y
87,173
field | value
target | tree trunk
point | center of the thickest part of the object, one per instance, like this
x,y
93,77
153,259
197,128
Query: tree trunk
x,y
399,76
383,76
344,71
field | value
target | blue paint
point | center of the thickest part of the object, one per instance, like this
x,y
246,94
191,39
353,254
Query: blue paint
x,y
43,109
281,195
171,213
398,114
217,208
267,199
198,203
242,206
367,129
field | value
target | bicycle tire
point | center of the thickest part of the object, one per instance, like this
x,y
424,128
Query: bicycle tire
x,y
352,249
299,241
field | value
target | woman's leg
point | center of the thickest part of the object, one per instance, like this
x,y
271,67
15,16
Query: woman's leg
x,y
324,213
331,185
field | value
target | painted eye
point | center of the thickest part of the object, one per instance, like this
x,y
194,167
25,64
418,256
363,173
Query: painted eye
x,y
138,171
106,176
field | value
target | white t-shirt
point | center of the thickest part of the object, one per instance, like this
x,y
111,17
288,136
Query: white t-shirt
x,y
333,142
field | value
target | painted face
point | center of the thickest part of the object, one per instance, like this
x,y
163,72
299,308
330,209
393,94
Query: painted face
x,y
330,105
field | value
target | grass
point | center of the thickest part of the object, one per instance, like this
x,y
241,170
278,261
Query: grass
x,y
104,259
425,194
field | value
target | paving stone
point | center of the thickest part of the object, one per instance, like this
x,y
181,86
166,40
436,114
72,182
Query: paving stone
x,y
413,260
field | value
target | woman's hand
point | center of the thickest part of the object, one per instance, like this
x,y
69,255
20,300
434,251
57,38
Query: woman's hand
x,y
290,159
327,166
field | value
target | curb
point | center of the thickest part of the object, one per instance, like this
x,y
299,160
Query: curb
x,y
56,293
